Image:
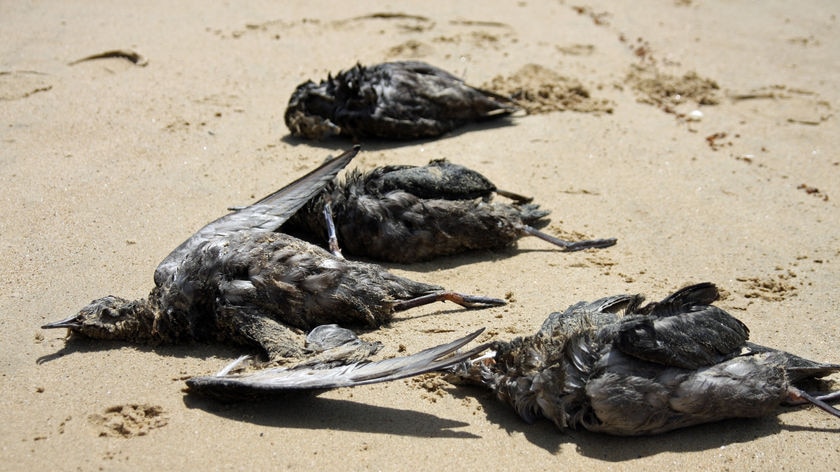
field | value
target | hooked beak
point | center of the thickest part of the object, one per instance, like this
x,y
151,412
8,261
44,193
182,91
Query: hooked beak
x,y
71,322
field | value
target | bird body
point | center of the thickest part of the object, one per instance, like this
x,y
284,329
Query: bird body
x,y
658,367
406,214
392,100
238,281
613,366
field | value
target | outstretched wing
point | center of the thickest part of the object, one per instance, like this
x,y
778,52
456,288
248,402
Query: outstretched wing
x,y
266,215
683,330
278,380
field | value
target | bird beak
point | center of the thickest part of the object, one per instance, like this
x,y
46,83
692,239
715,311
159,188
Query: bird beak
x,y
71,322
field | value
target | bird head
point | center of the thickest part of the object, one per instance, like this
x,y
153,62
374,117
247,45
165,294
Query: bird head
x,y
309,111
108,318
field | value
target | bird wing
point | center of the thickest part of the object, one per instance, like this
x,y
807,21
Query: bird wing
x,y
439,80
438,179
278,380
683,330
265,215
601,312
797,368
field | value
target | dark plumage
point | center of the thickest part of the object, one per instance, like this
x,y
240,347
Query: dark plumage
x,y
652,369
393,100
238,281
407,214
657,367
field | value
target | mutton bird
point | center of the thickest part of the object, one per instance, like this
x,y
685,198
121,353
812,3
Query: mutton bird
x,y
658,367
402,213
651,369
393,100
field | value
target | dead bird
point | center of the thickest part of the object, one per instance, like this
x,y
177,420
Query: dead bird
x,y
340,365
657,367
239,281
393,100
406,214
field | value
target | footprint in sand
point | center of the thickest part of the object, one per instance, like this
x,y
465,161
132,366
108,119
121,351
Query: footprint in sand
x,y
772,288
129,420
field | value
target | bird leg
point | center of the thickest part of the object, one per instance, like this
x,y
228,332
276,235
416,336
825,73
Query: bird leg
x,y
568,246
830,397
331,233
466,301
514,196
277,340
798,397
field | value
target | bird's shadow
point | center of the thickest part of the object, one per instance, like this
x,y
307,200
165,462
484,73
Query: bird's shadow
x,y
695,438
440,312
75,344
470,257
544,434
455,260
305,410
338,143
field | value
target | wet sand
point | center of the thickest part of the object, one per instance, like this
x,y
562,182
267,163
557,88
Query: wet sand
x,y
108,164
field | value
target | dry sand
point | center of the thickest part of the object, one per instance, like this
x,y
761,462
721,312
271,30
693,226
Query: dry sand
x,y
107,165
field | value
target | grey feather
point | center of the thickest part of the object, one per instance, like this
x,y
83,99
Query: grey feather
x,y
393,100
267,214
315,377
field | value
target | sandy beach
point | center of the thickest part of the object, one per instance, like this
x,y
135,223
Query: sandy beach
x,y
702,134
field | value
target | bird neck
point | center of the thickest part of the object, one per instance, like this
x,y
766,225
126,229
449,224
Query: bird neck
x,y
177,313
137,325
